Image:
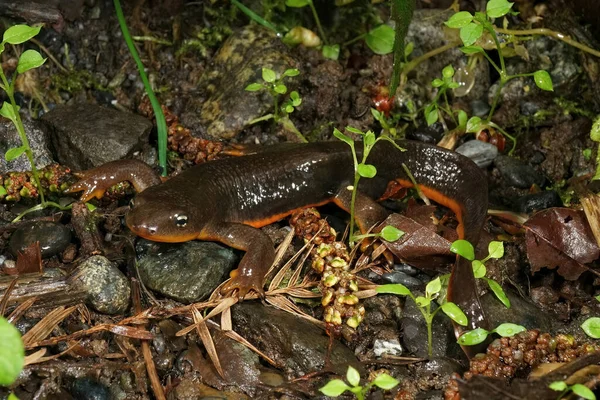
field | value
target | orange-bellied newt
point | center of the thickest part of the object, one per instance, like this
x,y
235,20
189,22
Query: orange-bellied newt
x,y
229,199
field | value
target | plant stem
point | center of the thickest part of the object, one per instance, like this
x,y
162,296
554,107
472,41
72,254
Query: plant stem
x,y
254,16
551,33
356,39
496,98
161,124
9,88
316,16
353,201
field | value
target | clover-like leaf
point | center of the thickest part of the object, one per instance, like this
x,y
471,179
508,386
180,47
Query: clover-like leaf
x,y
367,170
463,248
12,353
459,20
471,338
498,8
18,34
385,381
509,330
391,233
29,59
470,33
253,87
334,388
269,75
455,313
381,39
352,376
394,288
543,80
591,327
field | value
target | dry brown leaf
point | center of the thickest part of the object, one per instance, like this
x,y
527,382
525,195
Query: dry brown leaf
x,y
42,329
30,260
207,341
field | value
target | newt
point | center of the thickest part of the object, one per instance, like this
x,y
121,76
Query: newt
x,y
227,200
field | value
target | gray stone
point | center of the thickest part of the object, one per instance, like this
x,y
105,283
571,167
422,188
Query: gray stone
x,y
521,312
86,388
9,138
402,278
518,174
84,136
296,344
482,153
186,272
53,238
108,289
387,347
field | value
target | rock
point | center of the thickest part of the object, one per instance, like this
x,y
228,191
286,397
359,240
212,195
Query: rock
x,y
407,269
387,347
296,344
482,153
538,201
186,272
84,136
38,142
108,289
402,278
228,107
89,389
53,238
518,174
521,312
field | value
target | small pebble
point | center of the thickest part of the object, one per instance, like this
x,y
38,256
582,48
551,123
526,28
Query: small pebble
x,y
518,174
53,238
538,201
387,347
482,153
89,389
402,278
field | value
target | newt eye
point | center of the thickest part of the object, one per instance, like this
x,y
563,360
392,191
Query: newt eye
x,y
181,220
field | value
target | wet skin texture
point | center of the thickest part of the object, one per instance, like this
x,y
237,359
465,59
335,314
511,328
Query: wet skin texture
x,y
227,200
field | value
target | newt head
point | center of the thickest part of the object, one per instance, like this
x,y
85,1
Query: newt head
x,y
155,217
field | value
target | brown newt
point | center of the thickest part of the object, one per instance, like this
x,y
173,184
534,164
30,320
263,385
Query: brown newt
x,y
228,200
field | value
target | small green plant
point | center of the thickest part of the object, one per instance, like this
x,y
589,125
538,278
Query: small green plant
x,y
364,170
478,335
12,353
591,326
595,136
336,387
275,87
472,29
433,110
432,291
580,390
161,124
495,250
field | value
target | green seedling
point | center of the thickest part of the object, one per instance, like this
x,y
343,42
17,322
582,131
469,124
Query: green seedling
x,y
476,336
432,291
433,111
591,326
364,170
474,30
595,136
580,390
274,85
12,353
495,250
336,387
161,124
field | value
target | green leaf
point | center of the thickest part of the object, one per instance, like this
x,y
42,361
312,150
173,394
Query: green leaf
x,y
409,49
498,8
498,291
559,386
12,353
281,89
12,396
297,3
431,114
289,109
90,206
583,391
14,153
474,125
390,233
422,301
496,249
367,170
591,327
543,80
595,131
3,191
437,82
597,298
459,20
471,49
479,269
354,130
253,87
352,376
385,382
369,138
268,75
1,48
455,313
509,330
29,59
381,39
433,287
291,72
334,388
346,139
7,111
462,119
463,248
331,51
453,85
394,288
448,71
470,33
20,33
471,338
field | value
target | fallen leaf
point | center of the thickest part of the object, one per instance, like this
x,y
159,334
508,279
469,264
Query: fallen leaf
x,y
560,238
30,259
